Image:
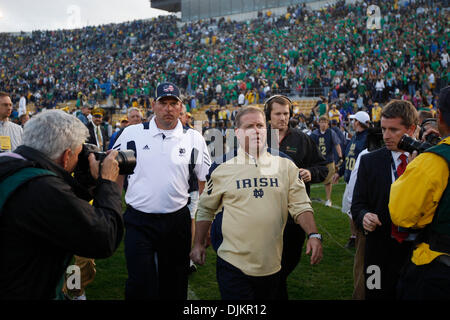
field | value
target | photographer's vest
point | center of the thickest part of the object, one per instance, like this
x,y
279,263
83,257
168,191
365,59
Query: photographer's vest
x,y
437,234
20,173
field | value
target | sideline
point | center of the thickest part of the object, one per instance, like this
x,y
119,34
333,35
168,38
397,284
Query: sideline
x,y
316,200
191,294
320,185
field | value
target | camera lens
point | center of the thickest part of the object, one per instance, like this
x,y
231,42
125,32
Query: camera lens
x,y
127,162
410,145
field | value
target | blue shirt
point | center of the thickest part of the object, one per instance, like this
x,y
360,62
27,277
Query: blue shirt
x,y
83,119
354,147
326,142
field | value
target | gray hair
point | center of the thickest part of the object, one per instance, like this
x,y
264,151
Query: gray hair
x,y
54,131
134,109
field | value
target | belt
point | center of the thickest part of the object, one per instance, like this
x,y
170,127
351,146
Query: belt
x,y
157,215
445,259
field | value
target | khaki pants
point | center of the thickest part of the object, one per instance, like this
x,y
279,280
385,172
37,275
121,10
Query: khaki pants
x,y
331,170
87,270
359,286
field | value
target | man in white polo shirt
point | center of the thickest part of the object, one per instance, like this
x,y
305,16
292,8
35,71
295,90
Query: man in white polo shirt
x,y
10,133
157,219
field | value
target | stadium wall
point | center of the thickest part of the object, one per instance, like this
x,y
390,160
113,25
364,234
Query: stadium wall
x,y
193,10
242,10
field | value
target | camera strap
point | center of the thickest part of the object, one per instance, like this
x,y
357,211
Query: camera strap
x,y
11,183
100,166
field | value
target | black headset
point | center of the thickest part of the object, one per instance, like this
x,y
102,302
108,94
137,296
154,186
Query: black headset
x,y
268,109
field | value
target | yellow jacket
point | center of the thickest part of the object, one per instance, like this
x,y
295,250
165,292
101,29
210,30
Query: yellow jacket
x,y
376,114
415,196
334,115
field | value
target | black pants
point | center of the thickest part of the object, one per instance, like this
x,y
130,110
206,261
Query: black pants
x,y
157,250
293,239
427,282
235,285
389,257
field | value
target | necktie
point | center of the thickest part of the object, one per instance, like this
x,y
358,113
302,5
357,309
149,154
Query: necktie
x,y
402,166
99,137
400,236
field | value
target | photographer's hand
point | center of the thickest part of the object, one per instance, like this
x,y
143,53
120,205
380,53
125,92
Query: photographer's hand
x,y
430,131
110,166
412,156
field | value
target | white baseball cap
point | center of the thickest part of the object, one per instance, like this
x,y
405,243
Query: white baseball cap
x,y
361,116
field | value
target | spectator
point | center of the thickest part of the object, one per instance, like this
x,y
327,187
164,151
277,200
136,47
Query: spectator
x,y
97,133
84,115
327,140
361,122
10,133
318,57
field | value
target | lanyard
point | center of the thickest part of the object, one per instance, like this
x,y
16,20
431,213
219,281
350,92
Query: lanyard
x,y
393,168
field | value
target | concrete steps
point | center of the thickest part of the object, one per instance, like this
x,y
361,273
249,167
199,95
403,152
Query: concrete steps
x,y
300,106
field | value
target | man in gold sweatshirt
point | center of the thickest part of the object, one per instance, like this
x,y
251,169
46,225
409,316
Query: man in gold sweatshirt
x,y
249,196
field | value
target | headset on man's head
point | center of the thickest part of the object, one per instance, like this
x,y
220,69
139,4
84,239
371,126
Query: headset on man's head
x,y
268,109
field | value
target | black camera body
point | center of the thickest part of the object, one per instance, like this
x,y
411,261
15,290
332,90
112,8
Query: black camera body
x,y
126,159
410,145
432,138
374,138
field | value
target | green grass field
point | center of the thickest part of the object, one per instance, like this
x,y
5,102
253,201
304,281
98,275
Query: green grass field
x,y
330,280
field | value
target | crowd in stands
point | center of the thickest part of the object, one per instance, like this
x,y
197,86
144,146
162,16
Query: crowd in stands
x,y
329,52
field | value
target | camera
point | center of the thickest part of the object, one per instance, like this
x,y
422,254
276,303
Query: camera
x,y
374,138
432,138
409,144
126,159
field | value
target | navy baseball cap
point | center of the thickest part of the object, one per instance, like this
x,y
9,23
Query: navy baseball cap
x,y
167,89
444,104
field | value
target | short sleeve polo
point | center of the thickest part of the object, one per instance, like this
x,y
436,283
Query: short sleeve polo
x,y
164,163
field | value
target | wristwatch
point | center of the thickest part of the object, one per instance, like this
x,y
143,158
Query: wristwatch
x,y
315,235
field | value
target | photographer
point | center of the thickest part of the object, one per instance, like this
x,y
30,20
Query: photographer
x,y
419,200
48,219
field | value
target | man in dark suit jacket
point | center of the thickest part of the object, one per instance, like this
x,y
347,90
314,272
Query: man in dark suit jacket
x,y
97,132
386,249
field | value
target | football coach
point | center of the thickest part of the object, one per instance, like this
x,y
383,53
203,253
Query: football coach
x,y
157,219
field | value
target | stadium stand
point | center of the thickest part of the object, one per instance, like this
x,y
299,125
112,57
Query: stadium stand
x,y
302,53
